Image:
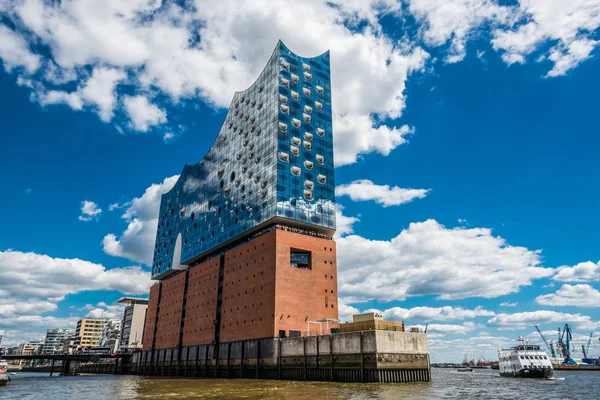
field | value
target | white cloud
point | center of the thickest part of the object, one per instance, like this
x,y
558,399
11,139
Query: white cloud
x,y
448,329
364,190
571,295
105,311
430,259
44,277
344,224
142,113
34,284
455,21
116,206
508,304
528,319
137,241
89,211
99,92
582,272
518,30
425,314
345,311
568,25
15,52
210,50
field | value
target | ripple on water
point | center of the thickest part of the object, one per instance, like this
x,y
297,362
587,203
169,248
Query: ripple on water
x,y
446,384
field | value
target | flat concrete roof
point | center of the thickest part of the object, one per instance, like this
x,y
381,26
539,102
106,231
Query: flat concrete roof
x,y
133,300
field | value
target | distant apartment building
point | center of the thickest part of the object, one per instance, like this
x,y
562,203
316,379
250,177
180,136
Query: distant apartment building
x,y
1,337
55,338
134,318
68,344
111,335
30,348
88,333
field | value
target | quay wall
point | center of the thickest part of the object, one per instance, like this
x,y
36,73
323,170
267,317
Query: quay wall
x,y
368,356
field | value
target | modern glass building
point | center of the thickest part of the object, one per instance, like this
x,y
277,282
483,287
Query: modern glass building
x,y
272,162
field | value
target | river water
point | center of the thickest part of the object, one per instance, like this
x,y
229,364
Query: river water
x,y
446,384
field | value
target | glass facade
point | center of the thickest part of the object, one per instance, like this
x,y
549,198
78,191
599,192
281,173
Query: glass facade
x,y
273,157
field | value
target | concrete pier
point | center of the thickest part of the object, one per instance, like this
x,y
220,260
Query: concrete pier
x,y
366,356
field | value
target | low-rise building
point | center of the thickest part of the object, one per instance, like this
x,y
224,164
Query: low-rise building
x,y
69,345
29,348
134,318
55,338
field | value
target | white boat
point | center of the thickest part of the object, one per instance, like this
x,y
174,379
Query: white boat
x,y
4,378
525,361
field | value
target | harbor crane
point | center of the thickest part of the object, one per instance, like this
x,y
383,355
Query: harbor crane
x,y
586,350
548,346
564,342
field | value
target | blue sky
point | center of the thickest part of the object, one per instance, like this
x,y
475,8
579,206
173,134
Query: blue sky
x,y
466,148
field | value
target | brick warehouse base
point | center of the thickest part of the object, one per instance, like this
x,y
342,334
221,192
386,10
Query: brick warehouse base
x,y
251,291
369,356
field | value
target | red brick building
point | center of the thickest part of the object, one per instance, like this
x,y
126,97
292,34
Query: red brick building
x,y
264,292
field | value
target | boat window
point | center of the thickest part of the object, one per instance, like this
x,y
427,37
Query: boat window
x,y
521,357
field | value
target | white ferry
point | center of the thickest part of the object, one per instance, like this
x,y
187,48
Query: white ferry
x,y
525,361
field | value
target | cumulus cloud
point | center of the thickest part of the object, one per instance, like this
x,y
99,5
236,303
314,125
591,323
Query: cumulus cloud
x,y
44,277
528,319
571,295
449,329
34,284
454,22
105,311
568,25
364,190
202,49
425,314
89,211
15,51
98,92
429,259
136,243
344,224
142,113
565,28
582,272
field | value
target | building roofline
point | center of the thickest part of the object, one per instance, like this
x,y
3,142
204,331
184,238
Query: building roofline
x,y
132,300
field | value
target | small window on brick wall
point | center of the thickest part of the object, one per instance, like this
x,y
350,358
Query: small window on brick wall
x,y
300,259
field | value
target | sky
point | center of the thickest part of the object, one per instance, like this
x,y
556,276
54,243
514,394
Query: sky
x,y
465,136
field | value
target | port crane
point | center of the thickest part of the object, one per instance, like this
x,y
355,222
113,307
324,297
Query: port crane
x,y
586,350
564,342
549,346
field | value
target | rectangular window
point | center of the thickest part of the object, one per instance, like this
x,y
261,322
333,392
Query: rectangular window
x,y
295,334
300,259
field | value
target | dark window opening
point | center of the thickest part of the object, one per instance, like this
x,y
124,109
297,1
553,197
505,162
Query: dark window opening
x,y
300,259
282,333
295,334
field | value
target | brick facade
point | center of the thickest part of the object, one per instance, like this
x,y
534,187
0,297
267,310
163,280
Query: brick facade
x,y
149,324
201,303
169,315
261,293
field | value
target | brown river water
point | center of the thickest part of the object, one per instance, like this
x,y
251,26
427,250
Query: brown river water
x,y
446,384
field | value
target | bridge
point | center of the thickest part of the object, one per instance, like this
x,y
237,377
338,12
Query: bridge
x,y
69,361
